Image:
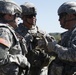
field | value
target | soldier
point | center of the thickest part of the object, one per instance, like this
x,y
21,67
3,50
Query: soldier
x,y
12,59
65,62
28,29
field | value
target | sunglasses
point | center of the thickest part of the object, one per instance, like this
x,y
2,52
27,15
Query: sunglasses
x,y
31,16
62,15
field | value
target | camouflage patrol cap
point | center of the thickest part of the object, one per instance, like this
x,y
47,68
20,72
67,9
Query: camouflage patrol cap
x,y
67,7
9,7
28,8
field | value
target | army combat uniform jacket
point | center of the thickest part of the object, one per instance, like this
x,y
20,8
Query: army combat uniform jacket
x,y
65,63
36,58
10,51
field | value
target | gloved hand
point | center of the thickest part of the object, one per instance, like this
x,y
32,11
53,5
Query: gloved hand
x,y
41,43
49,38
51,46
48,42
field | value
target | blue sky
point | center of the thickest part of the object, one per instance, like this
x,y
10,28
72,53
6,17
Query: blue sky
x,y
47,18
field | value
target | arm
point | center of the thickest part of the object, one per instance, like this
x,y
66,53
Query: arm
x,y
64,53
6,42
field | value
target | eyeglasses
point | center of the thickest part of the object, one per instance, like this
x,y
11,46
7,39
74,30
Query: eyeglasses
x,y
31,16
62,15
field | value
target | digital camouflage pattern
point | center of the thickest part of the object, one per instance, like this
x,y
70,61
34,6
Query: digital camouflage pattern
x,y
37,57
10,7
28,8
67,7
11,57
65,64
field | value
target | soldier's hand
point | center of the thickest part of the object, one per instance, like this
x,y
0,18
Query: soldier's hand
x,y
48,42
51,46
41,43
49,38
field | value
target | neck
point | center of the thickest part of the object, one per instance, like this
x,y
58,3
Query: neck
x,y
27,25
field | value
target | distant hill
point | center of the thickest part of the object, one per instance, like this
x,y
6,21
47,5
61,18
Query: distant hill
x,y
56,35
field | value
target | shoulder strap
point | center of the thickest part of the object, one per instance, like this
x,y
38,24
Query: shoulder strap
x,y
10,28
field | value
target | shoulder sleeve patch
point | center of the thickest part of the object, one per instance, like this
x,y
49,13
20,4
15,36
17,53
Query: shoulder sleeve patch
x,y
4,42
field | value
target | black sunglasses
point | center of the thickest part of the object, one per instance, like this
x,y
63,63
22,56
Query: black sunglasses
x,y
62,15
31,16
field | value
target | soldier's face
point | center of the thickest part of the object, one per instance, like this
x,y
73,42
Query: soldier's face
x,y
31,19
68,21
63,21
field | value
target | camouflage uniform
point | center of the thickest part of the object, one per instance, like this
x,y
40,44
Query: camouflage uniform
x,y
38,58
11,53
11,58
65,62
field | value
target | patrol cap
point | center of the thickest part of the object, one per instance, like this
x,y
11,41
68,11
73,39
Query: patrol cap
x,y
28,8
9,7
67,7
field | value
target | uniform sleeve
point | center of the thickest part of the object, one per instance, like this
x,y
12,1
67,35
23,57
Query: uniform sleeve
x,y
67,53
